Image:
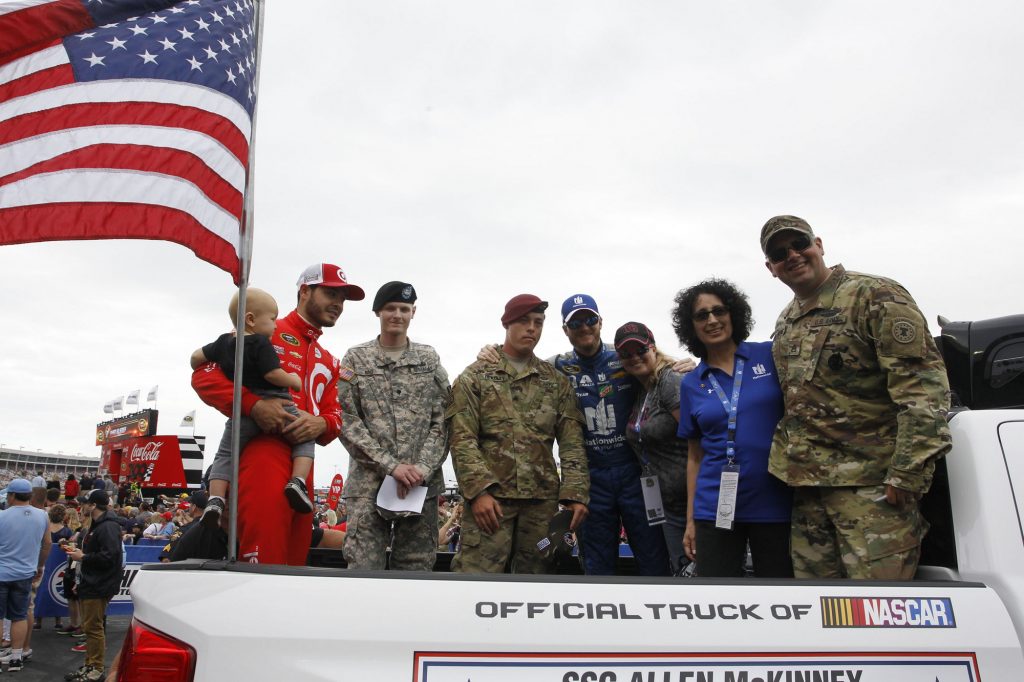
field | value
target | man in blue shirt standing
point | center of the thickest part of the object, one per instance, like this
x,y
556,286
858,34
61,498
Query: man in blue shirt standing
x,y
24,546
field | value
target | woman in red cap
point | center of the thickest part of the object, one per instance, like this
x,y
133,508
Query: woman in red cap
x,y
651,430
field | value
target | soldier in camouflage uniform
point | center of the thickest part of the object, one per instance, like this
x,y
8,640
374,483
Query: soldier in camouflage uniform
x,y
392,393
866,397
503,420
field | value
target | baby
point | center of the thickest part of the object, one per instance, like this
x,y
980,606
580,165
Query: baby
x,y
261,374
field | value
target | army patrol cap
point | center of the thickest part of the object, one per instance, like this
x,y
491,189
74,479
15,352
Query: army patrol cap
x,y
635,332
394,292
782,223
518,306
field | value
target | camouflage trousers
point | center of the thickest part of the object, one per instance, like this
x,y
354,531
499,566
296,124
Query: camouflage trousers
x,y
524,524
852,532
413,546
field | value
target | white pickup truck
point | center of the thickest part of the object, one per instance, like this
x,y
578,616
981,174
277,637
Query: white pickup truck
x,y
961,620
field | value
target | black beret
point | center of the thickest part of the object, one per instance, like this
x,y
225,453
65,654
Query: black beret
x,y
400,292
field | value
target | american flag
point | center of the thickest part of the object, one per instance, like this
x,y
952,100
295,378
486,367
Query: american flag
x,y
127,119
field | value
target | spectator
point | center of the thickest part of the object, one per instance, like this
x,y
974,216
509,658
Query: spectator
x,y
24,546
81,527
134,534
142,517
59,534
101,559
448,534
71,488
110,488
161,528
124,492
52,496
72,519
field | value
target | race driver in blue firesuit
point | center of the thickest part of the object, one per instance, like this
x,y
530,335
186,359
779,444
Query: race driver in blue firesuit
x,y
606,394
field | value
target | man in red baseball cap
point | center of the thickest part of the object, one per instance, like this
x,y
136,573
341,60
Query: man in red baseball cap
x,y
269,530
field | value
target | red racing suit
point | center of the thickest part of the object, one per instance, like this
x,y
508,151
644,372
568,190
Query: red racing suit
x,y
269,531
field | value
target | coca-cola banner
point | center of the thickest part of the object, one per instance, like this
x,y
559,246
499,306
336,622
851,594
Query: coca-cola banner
x,y
335,494
152,462
133,426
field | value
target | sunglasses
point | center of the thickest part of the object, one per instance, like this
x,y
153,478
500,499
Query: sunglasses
x,y
779,253
576,322
719,311
638,354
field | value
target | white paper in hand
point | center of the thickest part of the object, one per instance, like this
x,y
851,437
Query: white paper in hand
x,y
387,497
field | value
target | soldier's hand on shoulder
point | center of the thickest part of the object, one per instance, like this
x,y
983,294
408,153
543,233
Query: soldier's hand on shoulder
x,y
489,353
685,365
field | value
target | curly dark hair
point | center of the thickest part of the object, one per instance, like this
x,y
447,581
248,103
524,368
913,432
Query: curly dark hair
x,y
732,298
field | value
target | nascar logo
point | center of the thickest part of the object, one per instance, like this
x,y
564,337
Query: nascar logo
x,y
887,612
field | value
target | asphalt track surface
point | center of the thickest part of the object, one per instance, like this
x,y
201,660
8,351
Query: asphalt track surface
x,y
52,656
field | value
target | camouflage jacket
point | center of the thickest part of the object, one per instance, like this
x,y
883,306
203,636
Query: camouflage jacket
x,y
393,414
865,389
502,426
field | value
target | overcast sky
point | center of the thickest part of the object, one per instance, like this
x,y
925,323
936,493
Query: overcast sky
x,y
483,149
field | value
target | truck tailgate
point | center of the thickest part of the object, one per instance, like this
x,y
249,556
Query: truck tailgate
x,y
259,622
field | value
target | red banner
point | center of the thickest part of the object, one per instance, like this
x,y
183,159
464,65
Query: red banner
x,y
152,462
337,485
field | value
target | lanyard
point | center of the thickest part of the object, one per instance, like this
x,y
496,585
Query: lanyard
x,y
730,406
641,417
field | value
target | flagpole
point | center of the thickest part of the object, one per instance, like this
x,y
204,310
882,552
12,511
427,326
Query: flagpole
x,y
245,258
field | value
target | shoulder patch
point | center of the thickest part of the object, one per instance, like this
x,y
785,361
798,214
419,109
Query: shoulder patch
x,y
346,373
903,330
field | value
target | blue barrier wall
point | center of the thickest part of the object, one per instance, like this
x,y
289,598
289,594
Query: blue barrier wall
x,y
50,600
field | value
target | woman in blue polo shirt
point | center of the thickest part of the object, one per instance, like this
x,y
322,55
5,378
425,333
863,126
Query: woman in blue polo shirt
x,y
728,409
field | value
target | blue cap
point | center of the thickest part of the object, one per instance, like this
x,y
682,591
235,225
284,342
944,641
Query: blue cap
x,y
576,303
19,485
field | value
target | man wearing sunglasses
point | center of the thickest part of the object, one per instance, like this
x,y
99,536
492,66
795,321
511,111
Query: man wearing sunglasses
x,y
866,397
606,394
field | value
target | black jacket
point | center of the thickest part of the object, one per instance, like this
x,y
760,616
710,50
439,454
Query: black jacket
x,y
101,568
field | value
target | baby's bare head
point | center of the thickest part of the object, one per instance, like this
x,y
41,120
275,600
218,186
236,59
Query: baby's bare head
x,y
257,302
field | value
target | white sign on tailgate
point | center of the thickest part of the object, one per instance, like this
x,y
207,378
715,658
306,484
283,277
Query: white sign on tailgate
x,y
732,667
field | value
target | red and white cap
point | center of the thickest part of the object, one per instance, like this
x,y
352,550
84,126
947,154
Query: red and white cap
x,y
327,275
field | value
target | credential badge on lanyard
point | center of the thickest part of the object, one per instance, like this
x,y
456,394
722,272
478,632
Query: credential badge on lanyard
x,y
730,481
649,484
